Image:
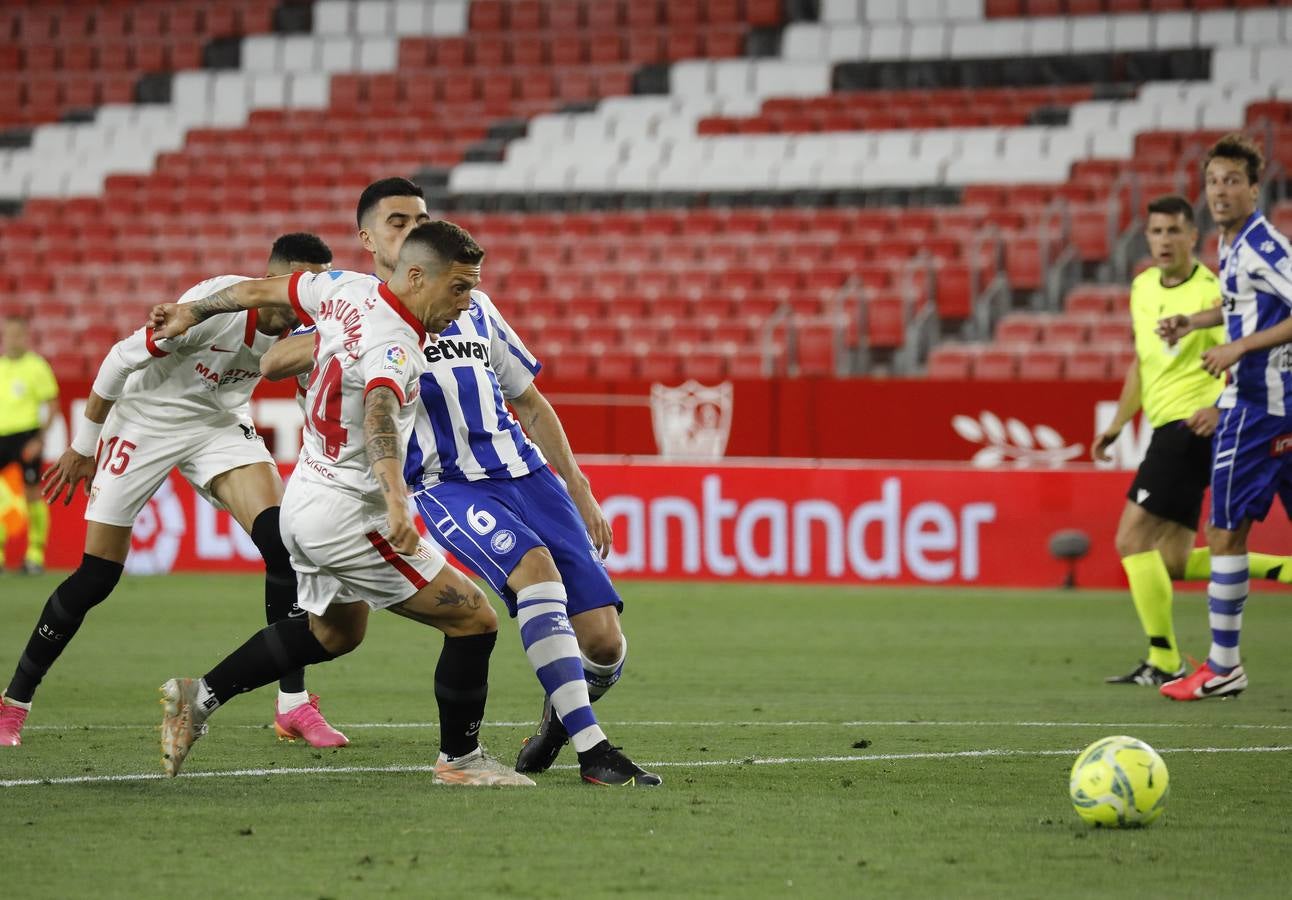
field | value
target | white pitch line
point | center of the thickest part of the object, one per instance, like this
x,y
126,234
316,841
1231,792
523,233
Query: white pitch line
x,y
858,723
659,764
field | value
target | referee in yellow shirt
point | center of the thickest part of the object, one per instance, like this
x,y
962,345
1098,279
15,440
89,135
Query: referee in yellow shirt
x,y
27,390
1159,523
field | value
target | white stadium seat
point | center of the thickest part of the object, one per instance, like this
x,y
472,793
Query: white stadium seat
x,y
845,42
378,54
1174,30
1048,36
804,41
888,42
372,18
840,11
336,54
409,17
332,16
447,18
1090,34
1132,32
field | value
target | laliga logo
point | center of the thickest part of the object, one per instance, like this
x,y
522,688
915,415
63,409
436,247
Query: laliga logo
x,y
154,543
1012,440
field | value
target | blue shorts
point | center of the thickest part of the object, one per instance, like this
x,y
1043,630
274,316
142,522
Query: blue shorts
x,y
490,525
1251,463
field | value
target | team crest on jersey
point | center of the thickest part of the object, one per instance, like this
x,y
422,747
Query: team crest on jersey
x,y
476,311
396,358
502,541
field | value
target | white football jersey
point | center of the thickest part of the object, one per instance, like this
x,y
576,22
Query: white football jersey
x,y
206,374
366,338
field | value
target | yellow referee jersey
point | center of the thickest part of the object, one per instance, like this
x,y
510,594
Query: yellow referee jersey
x,y
25,383
1173,384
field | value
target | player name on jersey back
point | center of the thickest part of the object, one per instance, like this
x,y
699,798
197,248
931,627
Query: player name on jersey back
x,y
366,339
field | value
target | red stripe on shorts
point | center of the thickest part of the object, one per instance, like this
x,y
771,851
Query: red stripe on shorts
x,y
389,555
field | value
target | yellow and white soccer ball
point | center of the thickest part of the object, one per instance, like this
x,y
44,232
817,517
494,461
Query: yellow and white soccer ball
x,y
1119,782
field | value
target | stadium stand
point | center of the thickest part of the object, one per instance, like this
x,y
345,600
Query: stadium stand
x,y
715,189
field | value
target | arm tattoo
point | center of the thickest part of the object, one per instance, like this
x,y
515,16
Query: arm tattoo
x,y
381,434
221,301
451,596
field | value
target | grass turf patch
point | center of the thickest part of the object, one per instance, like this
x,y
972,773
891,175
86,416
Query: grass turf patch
x,y
807,738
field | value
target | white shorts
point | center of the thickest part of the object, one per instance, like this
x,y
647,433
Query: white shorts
x,y
135,459
340,555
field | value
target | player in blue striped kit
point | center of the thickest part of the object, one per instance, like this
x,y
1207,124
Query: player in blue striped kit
x,y
483,485
1252,452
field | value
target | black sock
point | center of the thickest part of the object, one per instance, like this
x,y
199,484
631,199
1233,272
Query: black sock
x,y
272,651
62,616
280,584
461,687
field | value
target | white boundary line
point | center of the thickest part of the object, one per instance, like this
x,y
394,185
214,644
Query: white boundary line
x,y
857,723
705,763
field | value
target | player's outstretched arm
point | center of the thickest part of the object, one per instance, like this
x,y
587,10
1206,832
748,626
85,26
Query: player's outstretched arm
x,y
77,462
544,428
1173,328
1127,405
173,319
1220,358
381,441
288,358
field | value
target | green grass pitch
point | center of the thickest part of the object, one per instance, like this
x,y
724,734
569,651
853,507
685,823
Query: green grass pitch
x,y
815,742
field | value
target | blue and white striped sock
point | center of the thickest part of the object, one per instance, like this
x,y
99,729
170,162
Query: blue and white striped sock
x,y
1226,595
553,651
602,677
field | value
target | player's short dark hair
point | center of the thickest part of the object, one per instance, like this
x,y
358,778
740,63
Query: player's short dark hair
x,y
1238,147
300,247
380,190
1172,205
450,243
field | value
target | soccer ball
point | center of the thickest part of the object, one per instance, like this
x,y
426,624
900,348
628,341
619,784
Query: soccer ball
x,y
1118,782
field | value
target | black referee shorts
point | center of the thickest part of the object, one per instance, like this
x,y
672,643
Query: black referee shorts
x,y
11,452
1174,475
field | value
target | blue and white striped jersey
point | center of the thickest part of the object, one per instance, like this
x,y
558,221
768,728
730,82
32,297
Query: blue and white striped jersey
x,y
1256,292
463,430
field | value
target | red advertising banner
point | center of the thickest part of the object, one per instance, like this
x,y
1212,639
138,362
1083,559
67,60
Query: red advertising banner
x,y
790,521
991,424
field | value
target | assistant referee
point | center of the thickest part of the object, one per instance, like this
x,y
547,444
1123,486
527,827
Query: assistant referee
x,y
27,390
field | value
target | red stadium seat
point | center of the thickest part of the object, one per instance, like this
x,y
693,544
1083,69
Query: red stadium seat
x,y
994,364
951,362
1041,364
1087,365
1111,335
1066,332
886,321
1019,328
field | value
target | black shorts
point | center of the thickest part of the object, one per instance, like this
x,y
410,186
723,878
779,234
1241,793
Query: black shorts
x,y
11,452
1174,475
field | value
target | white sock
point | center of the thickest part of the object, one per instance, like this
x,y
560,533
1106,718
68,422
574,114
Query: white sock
x,y
553,651
206,702
288,702
444,757
17,703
